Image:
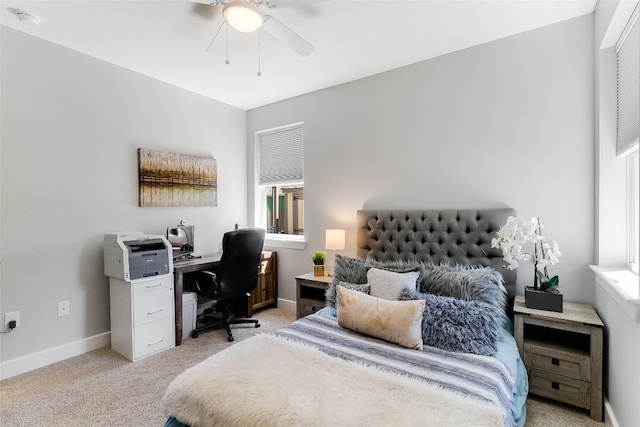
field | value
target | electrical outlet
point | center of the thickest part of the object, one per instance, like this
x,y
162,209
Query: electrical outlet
x,y
8,317
63,308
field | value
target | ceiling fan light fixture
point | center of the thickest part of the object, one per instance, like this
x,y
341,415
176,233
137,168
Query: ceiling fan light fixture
x,y
27,18
242,17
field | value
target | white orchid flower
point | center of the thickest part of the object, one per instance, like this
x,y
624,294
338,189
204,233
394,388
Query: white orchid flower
x,y
517,232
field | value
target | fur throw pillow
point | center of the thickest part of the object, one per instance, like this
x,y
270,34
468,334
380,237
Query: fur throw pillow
x,y
354,271
399,266
464,282
345,269
456,325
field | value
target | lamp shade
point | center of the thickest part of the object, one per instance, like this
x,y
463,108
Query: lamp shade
x,y
335,239
242,17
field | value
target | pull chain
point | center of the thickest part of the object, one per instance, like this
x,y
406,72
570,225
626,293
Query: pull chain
x,y
259,38
226,28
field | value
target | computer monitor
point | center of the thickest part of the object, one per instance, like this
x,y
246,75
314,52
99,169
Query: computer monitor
x,y
181,239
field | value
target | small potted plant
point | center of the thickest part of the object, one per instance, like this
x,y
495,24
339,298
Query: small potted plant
x,y
318,258
511,240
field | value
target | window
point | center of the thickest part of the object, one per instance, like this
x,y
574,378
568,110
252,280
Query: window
x,y
628,126
281,205
634,210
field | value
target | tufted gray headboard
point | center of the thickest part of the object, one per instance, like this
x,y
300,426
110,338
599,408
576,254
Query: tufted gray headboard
x,y
451,236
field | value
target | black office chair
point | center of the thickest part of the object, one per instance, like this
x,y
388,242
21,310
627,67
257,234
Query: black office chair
x,y
233,280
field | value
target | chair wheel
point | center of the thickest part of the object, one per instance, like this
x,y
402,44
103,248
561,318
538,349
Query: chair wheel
x,y
257,325
194,334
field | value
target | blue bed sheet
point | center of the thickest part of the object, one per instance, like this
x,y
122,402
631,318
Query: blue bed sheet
x,y
509,355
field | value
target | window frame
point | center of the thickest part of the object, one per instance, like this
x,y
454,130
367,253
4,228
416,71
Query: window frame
x,y
613,273
274,240
633,200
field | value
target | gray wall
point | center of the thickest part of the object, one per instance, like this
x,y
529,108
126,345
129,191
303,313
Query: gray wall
x,y
71,126
622,333
508,123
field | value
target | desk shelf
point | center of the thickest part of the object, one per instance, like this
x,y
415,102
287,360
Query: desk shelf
x,y
265,294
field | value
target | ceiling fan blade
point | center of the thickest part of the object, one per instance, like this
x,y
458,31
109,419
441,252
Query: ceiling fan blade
x,y
278,4
207,2
287,36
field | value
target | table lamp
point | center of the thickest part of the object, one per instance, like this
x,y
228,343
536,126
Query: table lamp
x,y
334,242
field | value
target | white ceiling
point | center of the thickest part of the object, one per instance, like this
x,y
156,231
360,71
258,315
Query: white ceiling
x,y
168,40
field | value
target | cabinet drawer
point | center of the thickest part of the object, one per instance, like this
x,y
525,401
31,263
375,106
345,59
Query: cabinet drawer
x,y
152,337
152,284
562,389
152,305
567,362
310,306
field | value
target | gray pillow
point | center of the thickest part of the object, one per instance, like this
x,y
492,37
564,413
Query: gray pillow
x,y
348,270
464,282
387,284
457,325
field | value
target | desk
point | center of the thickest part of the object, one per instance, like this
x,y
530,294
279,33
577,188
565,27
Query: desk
x,y
180,267
264,294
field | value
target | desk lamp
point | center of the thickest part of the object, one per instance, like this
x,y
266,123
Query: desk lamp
x,y
334,242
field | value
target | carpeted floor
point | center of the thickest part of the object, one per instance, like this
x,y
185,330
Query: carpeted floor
x,y
102,388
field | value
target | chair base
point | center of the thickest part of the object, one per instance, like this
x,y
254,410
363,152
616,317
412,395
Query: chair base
x,y
218,323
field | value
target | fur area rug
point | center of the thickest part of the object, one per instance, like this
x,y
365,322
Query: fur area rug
x,y
269,380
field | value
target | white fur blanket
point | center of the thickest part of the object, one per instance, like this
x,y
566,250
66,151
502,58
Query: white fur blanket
x,y
269,380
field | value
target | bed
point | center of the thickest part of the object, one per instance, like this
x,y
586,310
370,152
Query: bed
x,y
416,331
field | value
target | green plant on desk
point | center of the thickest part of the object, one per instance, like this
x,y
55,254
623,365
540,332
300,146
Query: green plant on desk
x,y
318,258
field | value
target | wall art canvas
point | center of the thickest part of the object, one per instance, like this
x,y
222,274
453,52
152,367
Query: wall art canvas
x,y
172,179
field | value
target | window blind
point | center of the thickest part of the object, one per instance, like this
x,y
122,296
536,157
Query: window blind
x,y
628,100
282,155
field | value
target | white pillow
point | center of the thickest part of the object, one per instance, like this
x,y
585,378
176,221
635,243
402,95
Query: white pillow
x,y
388,284
393,321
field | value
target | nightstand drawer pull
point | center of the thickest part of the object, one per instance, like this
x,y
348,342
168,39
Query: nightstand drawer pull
x,y
567,362
560,388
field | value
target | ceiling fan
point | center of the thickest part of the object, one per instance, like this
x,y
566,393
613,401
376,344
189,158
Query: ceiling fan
x,y
247,16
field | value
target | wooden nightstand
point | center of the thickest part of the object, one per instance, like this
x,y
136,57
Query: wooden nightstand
x,y
310,291
562,353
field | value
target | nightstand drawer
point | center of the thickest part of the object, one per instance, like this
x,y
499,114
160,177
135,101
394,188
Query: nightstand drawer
x,y
560,388
310,306
567,362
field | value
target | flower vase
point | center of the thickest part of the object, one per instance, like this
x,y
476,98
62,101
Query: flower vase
x,y
543,300
318,270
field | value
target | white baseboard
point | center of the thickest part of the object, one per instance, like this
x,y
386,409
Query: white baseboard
x,y
43,358
23,364
609,417
286,304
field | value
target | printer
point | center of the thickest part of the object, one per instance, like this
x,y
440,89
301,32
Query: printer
x,y
133,255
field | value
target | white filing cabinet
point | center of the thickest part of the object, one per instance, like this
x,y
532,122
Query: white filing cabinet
x,y
142,316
